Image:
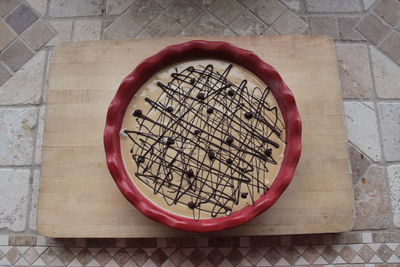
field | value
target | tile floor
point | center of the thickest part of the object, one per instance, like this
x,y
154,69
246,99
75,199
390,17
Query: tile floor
x,y
367,36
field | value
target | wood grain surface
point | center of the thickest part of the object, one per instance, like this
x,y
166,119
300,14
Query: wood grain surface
x,y
78,197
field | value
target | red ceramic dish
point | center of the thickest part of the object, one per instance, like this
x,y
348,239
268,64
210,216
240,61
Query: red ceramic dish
x,y
193,50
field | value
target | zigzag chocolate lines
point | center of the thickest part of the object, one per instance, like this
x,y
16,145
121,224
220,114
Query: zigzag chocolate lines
x,y
163,173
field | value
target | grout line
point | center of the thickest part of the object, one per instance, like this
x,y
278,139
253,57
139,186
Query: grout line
x,y
29,48
362,6
47,9
9,70
163,11
22,167
373,162
16,106
12,10
383,158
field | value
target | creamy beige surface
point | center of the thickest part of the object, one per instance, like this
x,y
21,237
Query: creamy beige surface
x,y
79,198
165,196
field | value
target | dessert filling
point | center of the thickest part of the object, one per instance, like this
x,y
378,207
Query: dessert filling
x,y
203,138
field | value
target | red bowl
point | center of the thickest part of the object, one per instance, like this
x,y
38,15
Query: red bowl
x,y
193,50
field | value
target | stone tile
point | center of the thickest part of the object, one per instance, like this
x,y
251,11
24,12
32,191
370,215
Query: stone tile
x,y
185,32
17,126
22,240
100,242
75,8
354,70
384,252
367,237
13,255
4,74
38,34
270,31
272,256
141,243
347,253
66,256
333,6
48,256
166,3
347,238
382,237
253,256
294,5
310,255
215,257
164,26
108,20
7,36
143,35
371,200
368,3
329,254
347,30
140,257
227,32
64,31
14,185
131,22
7,5
268,10
373,28
205,24
291,255
85,30
247,3
394,185
301,240
359,162
84,257
324,25
386,74
39,136
290,23
116,7
61,242
25,86
39,5
366,253
234,256
21,18
34,200
389,10
181,242
103,257
16,55
286,240
248,24
391,45
264,241
390,129
224,242
158,257
177,257
31,255
184,11
226,10
121,257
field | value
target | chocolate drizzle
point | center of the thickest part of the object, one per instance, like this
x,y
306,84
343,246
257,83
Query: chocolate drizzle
x,y
207,144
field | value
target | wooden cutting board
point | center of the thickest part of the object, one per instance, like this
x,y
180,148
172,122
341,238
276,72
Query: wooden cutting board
x,y
78,197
